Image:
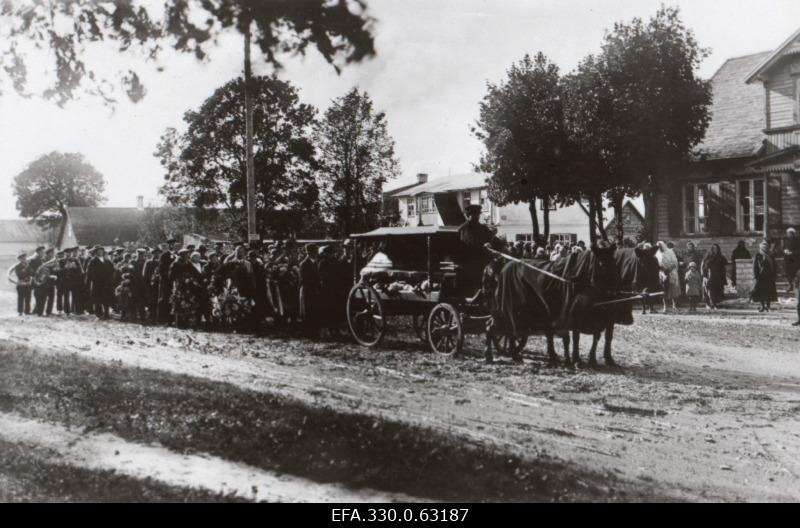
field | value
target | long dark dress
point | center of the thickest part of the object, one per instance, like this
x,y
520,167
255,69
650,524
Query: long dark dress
x,y
714,269
765,274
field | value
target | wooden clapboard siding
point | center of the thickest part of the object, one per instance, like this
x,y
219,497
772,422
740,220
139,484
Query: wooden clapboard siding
x,y
781,139
662,216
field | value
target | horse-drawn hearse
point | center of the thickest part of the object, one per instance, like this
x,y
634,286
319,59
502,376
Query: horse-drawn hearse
x,y
418,272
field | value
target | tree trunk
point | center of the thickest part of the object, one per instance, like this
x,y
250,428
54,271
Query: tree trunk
x,y
616,202
252,233
601,221
546,218
650,213
592,222
534,219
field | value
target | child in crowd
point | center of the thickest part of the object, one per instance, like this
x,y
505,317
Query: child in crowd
x,y
694,286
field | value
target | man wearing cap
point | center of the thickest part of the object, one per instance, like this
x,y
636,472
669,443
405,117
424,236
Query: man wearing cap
x,y
310,292
164,310
100,280
45,284
474,237
150,281
73,281
138,285
20,275
63,301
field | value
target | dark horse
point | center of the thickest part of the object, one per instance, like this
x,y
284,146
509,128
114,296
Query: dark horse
x,y
528,301
637,269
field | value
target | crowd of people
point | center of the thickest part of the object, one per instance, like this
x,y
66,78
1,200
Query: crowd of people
x,y
217,286
699,277
305,287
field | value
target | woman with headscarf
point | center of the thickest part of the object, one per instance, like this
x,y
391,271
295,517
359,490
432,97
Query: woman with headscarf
x,y
765,274
668,262
715,277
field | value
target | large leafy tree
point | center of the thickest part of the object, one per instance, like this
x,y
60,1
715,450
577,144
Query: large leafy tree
x,y
639,106
356,154
205,165
521,125
65,29
54,182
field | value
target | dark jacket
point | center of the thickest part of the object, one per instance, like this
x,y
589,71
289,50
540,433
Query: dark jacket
x,y
100,279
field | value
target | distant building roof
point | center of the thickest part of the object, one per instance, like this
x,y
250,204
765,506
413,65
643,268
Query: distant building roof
x,y
22,231
104,225
631,208
737,111
455,182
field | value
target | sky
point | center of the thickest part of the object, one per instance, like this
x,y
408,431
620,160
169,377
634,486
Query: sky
x,y
434,58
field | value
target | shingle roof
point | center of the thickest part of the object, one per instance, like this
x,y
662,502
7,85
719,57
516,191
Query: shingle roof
x,y
102,225
22,231
456,182
737,111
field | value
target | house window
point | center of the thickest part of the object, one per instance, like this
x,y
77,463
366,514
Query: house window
x,y
751,202
523,238
561,238
466,199
483,196
551,205
427,205
411,206
695,208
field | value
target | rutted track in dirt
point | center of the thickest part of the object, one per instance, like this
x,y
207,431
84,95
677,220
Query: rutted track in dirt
x,y
695,441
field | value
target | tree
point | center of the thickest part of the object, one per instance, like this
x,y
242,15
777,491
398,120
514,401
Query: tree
x,y
340,30
640,106
526,154
356,155
206,167
54,182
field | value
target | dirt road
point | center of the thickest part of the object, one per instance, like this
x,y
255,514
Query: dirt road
x,y
703,408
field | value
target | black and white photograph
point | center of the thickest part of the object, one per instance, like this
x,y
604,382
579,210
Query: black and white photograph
x,y
399,260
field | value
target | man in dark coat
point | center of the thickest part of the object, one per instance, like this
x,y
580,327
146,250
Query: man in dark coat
x,y
791,251
165,285
310,292
150,282
474,237
138,284
72,279
330,304
100,280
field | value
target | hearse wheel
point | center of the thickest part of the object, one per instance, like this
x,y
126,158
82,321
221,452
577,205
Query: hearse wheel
x,y
445,332
365,315
420,324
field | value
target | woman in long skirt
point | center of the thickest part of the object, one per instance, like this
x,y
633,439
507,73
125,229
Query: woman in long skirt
x,y
765,274
715,276
668,262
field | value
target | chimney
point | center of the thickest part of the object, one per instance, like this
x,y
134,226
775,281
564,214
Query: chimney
x,y
422,177
140,202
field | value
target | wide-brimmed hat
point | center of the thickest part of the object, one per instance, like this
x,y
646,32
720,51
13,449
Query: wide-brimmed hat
x,y
22,254
183,251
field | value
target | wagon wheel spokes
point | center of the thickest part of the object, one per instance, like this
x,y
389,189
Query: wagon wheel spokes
x,y
445,331
365,316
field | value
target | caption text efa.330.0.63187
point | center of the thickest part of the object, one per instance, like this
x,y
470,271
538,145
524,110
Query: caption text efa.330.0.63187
x,y
399,514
